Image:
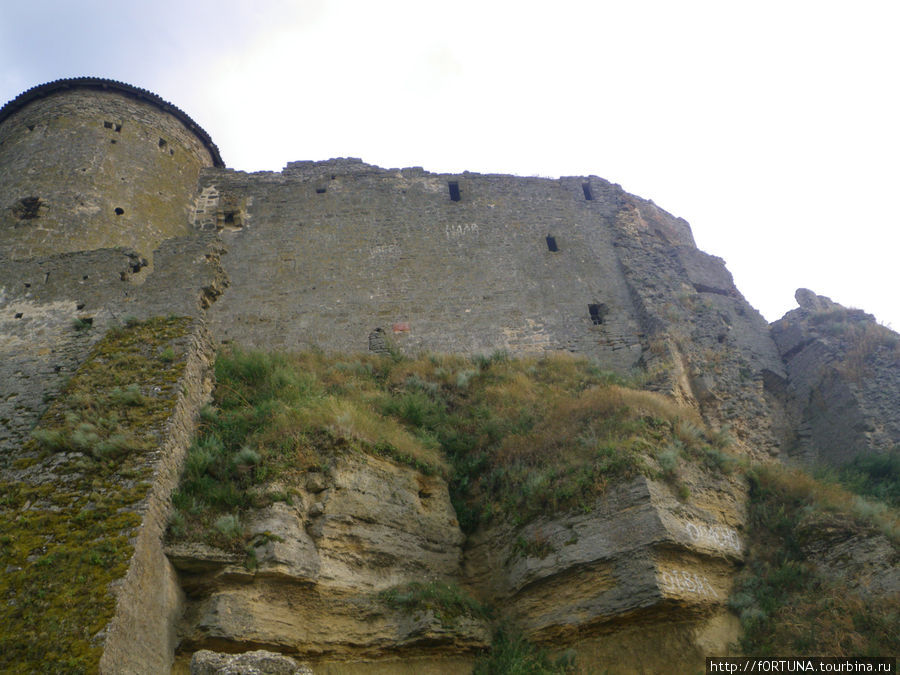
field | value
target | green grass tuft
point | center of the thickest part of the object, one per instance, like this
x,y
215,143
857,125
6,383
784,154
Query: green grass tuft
x,y
512,654
446,599
786,605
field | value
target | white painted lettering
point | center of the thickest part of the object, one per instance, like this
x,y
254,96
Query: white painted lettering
x,y
459,231
680,581
714,535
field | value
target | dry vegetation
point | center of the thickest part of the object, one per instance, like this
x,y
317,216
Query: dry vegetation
x,y
513,437
786,605
864,340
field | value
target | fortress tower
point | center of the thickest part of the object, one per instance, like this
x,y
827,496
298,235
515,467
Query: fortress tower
x,y
89,163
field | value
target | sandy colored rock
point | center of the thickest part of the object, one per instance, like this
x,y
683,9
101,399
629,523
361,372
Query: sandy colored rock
x,y
258,662
316,578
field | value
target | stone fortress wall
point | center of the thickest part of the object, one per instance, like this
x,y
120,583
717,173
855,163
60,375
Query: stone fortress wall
x,y
341,255
114,204
325,253
94,176
102,204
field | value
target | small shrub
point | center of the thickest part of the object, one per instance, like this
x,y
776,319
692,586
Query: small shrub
x,y
52,440
716,459
869,510
281,496
177,523
668,460
688,433
114,446
129,396
536,547
416,409
722,438
484,362
512,653
85,437
463,378
201,456
229,526
247,457
612,460
431,389
446,599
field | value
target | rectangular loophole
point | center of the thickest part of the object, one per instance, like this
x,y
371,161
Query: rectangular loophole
x,y
551,244
454,190
588,195
230,220
597,312
320,191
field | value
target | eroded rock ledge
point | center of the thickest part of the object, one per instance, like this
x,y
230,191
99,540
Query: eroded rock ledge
x,y
638,557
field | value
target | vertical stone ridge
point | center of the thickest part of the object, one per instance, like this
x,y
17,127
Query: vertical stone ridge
x,y
141,636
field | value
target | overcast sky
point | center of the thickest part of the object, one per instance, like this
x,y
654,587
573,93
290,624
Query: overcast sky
x,y
773,127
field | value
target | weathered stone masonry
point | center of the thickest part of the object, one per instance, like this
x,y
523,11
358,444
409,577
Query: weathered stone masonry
x,y
114,204
327,252
324,254
100,165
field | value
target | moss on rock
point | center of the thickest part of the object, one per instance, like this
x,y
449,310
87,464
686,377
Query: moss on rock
x,y
68,513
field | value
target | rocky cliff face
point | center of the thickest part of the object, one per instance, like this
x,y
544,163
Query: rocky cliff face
x,y
603,524
708,346
637,557
844,372
629,552
638,579
364,526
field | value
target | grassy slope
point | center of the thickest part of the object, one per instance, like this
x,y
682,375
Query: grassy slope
x,y
515,438
786,605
